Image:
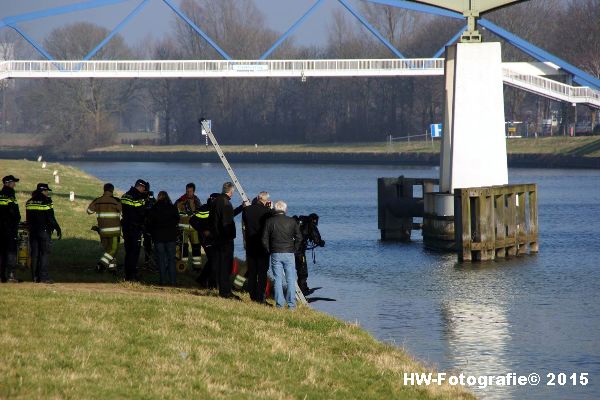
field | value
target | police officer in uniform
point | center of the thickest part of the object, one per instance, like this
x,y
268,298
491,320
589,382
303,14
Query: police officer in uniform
x,y
108,211
41,222
147,241
200,221
9,226
187,205
134,213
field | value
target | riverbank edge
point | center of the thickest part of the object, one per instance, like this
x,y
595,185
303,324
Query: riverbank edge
x,y
374,158
348,340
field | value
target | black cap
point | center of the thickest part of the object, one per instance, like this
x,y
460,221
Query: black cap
x,y
141,182
9,179
43,186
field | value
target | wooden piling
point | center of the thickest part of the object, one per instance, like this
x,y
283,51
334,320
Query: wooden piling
x,y
496,222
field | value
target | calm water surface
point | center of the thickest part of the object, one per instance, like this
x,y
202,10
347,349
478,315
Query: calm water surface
x,y
531,314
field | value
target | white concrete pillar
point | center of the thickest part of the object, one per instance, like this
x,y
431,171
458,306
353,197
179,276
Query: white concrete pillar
x,y
473,150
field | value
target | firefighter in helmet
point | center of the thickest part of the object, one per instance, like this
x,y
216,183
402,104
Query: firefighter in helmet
x,y
108,211
188,205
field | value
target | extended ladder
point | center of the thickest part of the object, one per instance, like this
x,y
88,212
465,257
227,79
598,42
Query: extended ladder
x,y
207,131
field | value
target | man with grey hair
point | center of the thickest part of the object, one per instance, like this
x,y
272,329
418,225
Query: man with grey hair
x,y
282,238
223,233
255,217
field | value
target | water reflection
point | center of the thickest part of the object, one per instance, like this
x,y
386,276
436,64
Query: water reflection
x,y
478,339
530,314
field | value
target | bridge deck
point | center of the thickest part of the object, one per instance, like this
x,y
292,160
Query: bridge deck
x,y
280,69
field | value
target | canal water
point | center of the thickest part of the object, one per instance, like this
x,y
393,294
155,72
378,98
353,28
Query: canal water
x,y
532,314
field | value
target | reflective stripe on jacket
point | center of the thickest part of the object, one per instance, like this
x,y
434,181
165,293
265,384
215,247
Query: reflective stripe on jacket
x,y
9,211
108,212
187,207
134,209
200,221
40,213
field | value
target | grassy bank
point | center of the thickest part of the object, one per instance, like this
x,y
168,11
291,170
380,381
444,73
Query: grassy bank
x,y
77,253
558,145
92,337
73,259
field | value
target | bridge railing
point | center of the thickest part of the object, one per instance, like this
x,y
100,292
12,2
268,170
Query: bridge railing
x,y
558,89
223,65
279,68
587,94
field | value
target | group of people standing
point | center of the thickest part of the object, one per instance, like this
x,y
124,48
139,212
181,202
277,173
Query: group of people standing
x,y
268,234
41,225
271,237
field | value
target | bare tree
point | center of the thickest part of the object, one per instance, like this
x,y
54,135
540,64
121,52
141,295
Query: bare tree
x,y
83,113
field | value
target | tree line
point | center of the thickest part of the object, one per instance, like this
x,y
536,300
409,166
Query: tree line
x,y
80,114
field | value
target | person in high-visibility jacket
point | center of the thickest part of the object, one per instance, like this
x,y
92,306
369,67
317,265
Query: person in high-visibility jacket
x,y
108,210
9,227
41,222
187,205
134,215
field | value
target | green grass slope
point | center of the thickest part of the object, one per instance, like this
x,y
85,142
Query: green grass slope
x,y
92,336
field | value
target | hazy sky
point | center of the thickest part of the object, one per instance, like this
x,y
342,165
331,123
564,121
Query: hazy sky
x,y
156,18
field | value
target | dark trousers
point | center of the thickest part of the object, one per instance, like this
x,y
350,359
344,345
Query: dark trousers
x,y
147,247
133,245
165,258
8,256
258,265
302,271
223,264
39,248
208,276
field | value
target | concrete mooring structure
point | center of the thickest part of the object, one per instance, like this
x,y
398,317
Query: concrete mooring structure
x,y
473,211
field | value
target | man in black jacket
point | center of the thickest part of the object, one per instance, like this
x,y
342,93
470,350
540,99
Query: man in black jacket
x,y
41,222
134,215
282,238
161,224
255,217
223,234
9,227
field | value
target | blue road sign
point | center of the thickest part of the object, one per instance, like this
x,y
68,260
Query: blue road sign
x,y
436,130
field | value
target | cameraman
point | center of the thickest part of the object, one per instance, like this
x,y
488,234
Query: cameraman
x,y
311,239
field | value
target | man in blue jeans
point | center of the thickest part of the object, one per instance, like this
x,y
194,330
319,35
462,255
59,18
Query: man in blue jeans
x,y
282,238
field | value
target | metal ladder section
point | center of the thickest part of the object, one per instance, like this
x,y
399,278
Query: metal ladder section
x,y
206,130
